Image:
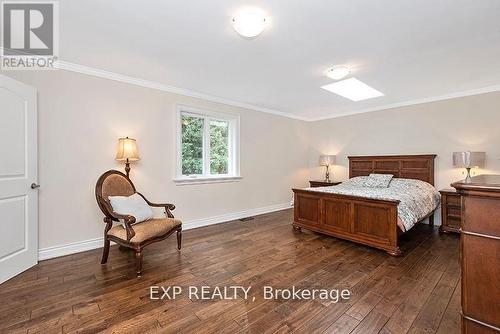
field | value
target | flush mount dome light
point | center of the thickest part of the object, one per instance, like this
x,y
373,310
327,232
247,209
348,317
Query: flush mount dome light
x,y
250,22
338,72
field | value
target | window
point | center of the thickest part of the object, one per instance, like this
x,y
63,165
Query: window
x,y
207,146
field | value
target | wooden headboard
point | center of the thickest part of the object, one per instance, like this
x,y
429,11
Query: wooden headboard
x,y
419,167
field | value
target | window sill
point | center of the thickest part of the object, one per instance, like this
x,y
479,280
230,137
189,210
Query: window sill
x,y
181,181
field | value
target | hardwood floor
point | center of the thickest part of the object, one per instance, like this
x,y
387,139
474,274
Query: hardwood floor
x,y
416,293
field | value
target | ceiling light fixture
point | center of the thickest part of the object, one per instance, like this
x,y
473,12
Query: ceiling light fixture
x,y
338,72
250,22
353,89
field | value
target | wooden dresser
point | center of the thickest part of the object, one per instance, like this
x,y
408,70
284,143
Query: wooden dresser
x,y
451,211
480,254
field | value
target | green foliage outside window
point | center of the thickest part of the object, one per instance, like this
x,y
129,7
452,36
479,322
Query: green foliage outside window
x,y
218,147
192,146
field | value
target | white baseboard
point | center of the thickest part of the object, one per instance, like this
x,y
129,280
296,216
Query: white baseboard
x,y
75,247
233,216
81,246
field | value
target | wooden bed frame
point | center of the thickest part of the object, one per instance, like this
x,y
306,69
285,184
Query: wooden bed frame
x,y
371,222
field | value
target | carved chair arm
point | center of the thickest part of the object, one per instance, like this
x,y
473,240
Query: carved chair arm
x,y
168,206
127,219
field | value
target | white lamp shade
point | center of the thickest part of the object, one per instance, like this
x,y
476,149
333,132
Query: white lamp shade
x,y
326,160
469,159
127,149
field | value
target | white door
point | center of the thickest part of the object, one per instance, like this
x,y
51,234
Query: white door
x,y
18,178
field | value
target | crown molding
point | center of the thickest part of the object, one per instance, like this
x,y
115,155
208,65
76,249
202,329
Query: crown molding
x,y
67,66
478,91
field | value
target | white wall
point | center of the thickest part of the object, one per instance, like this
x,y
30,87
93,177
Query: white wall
x,y
80,119
467,123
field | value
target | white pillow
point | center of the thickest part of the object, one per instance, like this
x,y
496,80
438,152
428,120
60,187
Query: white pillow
x,y
133,205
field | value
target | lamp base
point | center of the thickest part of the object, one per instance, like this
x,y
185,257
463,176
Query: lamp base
x,y
127,168
468,177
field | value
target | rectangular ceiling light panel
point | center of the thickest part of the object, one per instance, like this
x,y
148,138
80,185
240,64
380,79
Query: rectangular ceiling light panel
x,y
353,89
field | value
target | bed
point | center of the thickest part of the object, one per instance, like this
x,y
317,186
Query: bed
x,y
373,219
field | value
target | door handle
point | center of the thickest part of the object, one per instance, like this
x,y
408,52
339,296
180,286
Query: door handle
x,y
34,186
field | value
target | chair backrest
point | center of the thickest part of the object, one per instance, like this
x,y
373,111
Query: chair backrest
x,y
112,183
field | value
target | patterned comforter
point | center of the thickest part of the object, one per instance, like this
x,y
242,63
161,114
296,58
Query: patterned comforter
x,y
417,198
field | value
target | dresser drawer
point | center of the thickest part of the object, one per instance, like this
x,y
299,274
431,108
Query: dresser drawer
x,y
481,215
454,212
454,200
480,273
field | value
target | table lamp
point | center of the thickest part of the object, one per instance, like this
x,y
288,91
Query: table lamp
x,y
327,160
127,151
468,160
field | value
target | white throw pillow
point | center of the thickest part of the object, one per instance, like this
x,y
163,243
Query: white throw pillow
x,y
133,205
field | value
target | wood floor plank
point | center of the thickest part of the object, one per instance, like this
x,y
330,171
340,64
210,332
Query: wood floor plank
x,y
372,323
364,306
433,310
450,322
344,325
403,317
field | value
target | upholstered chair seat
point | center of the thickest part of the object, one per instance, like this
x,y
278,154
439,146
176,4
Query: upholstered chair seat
x,y
146,230
131,234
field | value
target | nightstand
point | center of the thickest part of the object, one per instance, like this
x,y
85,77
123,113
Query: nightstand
x,y
451,211
323,183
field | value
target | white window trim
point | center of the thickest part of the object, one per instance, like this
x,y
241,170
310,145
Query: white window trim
x,y
234,142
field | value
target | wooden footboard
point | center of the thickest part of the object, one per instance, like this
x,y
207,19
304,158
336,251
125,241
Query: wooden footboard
x,y
367,221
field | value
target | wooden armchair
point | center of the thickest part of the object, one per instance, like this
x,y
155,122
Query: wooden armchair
x,y
115,183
